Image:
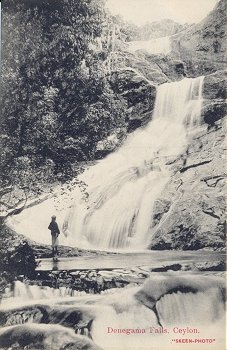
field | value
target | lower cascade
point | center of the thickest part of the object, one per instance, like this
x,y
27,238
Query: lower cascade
x,y
124,187
176,305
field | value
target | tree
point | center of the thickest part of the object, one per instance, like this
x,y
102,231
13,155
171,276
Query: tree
x,y
56,100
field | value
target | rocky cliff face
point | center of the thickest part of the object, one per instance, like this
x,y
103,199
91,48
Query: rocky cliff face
x,y
191,212
139,94
203,46
158,69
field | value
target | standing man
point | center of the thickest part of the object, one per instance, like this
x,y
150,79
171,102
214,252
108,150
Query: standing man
x,y
53,227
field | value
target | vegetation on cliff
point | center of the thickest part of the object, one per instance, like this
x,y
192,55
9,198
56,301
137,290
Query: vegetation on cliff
x,y
56,100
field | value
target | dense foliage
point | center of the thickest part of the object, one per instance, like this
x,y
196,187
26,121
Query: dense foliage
x,y
56,100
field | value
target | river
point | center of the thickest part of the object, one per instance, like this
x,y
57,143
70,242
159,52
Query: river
x,y
122,260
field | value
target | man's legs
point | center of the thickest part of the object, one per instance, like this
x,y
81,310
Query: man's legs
x,y
56,244
53,244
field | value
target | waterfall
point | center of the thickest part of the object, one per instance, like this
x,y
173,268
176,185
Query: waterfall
x,y
124,187
153,46
180,101
190,308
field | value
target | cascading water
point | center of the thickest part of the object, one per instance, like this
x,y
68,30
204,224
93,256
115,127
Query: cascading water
x,y
124,187
182,300
190,308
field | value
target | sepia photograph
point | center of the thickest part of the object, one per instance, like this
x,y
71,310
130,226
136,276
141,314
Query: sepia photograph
x,y
113,174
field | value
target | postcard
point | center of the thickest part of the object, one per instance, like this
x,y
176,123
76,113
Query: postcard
x,y
113,175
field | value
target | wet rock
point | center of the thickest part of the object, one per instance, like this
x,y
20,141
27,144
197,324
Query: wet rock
x,y
23,315
173,267
167,284
211,266
214,94
91,281
40,336
213,111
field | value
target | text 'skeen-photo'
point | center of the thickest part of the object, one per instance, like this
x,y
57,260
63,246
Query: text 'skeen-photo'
x,y
113,174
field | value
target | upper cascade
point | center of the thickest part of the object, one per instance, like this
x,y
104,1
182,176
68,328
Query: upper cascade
x,y
153,46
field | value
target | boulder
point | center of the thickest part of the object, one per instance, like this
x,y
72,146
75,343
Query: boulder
x,y
40,336
173,267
